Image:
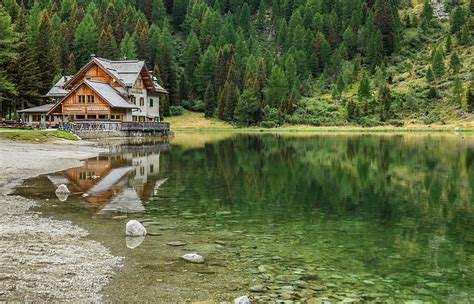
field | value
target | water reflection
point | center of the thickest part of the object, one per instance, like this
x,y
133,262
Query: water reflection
x,y
121,181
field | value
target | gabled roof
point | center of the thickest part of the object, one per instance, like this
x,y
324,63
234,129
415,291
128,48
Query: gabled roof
x,y
105,91
39,109
109,94
125,72
57,90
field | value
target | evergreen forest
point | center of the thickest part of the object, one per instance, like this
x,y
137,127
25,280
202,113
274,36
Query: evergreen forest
x,y
256,62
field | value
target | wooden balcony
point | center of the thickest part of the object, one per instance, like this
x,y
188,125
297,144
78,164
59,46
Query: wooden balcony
x,y
145,126
162,128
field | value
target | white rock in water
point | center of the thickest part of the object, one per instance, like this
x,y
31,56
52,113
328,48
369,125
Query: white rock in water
x,y
134,228
193,258
241,300
62,189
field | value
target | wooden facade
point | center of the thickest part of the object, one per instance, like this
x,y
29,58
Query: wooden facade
x,y
84,103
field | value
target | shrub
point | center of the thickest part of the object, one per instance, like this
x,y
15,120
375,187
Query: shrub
x,y
199,106
176,110
367,122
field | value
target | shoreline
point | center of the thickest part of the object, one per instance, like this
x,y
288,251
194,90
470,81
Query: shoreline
x,y
44,259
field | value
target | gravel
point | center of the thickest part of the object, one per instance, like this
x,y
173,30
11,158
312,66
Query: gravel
x,y
43,259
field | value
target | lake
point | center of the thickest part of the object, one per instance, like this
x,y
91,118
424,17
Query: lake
x,y
280,217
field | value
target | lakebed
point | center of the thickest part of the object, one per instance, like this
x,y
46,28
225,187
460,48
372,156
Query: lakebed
x,y
296,217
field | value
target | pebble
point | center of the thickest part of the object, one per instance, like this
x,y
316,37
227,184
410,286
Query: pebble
x,y
177,243
193,258
154,233
257,288
119,217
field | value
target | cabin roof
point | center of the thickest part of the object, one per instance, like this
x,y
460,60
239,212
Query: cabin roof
x,y
57,90
109,94
39,109
125,72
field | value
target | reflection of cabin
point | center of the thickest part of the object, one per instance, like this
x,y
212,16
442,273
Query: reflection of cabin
x,y
115,182
103,90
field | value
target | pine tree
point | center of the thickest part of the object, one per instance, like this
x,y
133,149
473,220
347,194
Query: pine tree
x,y
205,69
142,44
364,88
385,22
247,111
86,39
427,14
455,62
470,98
227,100
107,45
457,91
244,18
7,53
192,54
71,67
159,12
458,18
449,44
209,100
128,48
430,75
276,90
260,82
43,54
464,36
385,100
322,50
23,69
374,47
438,64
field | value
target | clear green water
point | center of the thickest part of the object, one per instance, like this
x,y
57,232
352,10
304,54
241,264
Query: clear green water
x,y
374,218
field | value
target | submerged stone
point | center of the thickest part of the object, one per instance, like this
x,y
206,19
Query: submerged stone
x,y
193,258
257,288
241,300
177,243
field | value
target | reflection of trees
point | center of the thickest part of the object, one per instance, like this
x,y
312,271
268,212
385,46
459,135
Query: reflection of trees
x,y
382,177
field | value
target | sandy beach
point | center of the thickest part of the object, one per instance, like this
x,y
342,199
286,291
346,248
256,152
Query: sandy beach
x,y
42,259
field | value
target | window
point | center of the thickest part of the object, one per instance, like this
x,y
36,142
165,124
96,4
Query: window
x,y
134,118
151,103
133,100
82,175
152,168
81,98
142,101
142,170
90,98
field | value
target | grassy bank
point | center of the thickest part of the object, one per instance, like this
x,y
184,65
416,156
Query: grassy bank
x,y
191,121
34,135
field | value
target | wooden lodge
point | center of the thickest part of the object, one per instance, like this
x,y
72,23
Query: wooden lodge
x,y
103,92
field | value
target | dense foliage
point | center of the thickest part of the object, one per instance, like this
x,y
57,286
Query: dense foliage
x,y
251,62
